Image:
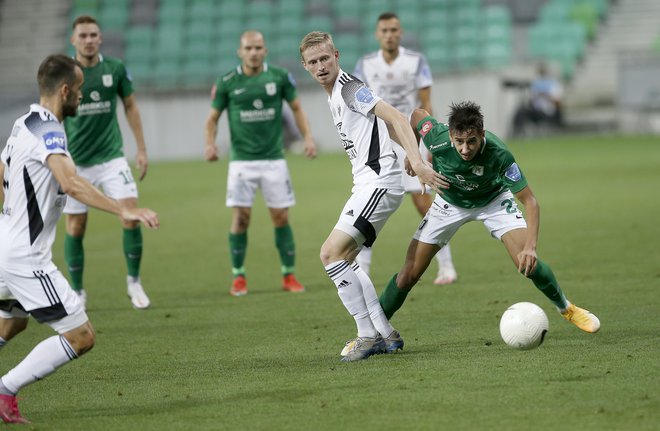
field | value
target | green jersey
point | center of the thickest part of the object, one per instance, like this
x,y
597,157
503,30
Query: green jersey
x,y
476,182
93,134
254,104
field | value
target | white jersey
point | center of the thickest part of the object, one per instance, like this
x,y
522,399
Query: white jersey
x,y
364,136
33,200
397,83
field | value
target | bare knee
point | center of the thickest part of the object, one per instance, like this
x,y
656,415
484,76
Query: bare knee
x,y
407,278
76,224
240,220
82,339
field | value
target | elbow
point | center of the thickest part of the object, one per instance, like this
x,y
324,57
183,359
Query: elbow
x,y
71,186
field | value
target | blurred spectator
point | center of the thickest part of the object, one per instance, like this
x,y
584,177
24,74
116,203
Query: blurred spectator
x,y
543,106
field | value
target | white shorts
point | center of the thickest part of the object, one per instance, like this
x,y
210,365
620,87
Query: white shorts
x,y
366,212
271,176
46,296
410,184
443,219
114,177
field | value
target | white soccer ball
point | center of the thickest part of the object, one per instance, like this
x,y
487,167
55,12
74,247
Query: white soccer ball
x,y
524,325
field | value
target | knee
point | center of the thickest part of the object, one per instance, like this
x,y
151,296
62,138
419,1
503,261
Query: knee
x,y
406,279
242,221
76,224
81,339
326,255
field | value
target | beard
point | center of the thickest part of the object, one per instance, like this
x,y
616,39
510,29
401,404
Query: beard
x,y
70,108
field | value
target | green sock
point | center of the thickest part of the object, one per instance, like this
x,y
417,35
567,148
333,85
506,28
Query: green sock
x,y
74,255
133,250
392,298
545,281
238,248
287,248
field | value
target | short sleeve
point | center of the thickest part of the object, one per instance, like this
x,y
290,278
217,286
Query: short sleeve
x,y
125,86
219,96
51,139
423,77
512,176
358,97
289,87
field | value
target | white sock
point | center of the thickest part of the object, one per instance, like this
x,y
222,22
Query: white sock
x,y
444,258
376,313
364,259
349,289
43,360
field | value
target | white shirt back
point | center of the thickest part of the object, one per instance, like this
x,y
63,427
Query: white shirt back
x,y
397,83
364,136
33,200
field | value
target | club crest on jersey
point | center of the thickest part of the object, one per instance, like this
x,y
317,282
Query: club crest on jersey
x,y
271,89
107,80
258,104
426,127
95,96
478,170
55,140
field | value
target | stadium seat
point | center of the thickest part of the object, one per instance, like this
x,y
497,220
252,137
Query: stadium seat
x,y
318,22
233,10
346,9
113,19
586,15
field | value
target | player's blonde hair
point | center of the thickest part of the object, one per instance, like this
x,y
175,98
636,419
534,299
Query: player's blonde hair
x,y
315,38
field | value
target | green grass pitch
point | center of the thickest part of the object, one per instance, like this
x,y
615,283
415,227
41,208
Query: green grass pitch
x,y
200,359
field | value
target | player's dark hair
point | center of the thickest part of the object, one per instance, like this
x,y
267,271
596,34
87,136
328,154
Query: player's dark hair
x,y
386,15
83,19
465,116
54,71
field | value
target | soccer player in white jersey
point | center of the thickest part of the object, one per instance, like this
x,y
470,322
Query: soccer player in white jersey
x,y
402,77
360,117
37,175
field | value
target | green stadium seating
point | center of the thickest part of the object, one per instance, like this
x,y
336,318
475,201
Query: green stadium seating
x,y
586,15
346,9
113,18
318,22
231,10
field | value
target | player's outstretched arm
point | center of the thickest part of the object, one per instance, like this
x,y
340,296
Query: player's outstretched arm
x,y
399,122
82,190
210,133
527,257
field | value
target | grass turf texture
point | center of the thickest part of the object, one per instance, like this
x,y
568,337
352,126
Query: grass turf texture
x,y
201,359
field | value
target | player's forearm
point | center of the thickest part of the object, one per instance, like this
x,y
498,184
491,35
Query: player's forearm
x,y
210,132
533,217
135,123
405,137
302,123
82,190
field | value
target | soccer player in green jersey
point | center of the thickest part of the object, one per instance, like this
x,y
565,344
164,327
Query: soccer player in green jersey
x,y
252,94
485,182
96,146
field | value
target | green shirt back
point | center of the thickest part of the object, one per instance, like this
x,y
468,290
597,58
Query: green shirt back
x,y
93,134
254,106
474,183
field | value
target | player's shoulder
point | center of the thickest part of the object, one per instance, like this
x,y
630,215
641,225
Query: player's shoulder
x,y
369,57
112,61
228,76
412,55
41,124
278,70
